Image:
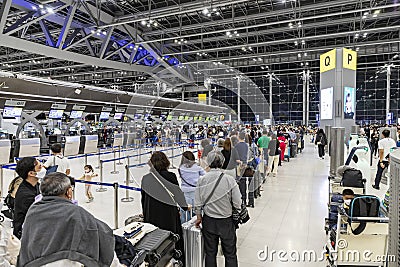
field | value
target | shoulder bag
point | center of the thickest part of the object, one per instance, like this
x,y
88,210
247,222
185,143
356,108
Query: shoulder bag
x,y
52,168
183,179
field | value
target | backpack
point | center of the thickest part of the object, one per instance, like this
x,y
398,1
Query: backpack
x,y
363,206
353,178
9,199
52,168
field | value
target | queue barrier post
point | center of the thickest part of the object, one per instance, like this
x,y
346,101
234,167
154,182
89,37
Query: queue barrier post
x,y
172,159
99,159
86,160
129,164
127,198
119,156
116,208
101,188
115,165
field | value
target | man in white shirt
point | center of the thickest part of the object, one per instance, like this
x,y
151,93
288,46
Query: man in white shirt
x,y
384,147
58,159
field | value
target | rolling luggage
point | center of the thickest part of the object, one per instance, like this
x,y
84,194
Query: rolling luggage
x,y
194,245
257,183
159,247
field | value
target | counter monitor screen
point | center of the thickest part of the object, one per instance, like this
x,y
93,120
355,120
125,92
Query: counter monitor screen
x,y
200,118
76,114
169,118
104,115
186,118
56,113
180,118
118,116
138,116
163,117
195,118
12,112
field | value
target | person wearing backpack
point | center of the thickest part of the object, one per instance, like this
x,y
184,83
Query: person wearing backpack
x,y
384,147
57,162
10,198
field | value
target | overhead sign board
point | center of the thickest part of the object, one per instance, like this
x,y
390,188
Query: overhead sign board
x,y
120,110
327,61
107,109
59,106
80,108
15,103
349,59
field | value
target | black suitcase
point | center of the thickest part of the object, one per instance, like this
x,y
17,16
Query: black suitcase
x,y
159,247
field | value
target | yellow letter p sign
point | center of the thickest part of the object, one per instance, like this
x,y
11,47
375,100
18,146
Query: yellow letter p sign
x,y
327,61
349,59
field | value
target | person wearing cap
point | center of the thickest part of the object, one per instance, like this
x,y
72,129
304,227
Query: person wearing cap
x,y
215,195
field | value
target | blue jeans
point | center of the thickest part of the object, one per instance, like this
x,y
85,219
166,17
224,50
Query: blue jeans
x,y
185,215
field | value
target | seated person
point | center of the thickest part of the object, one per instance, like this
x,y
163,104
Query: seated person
x,y
58,233
348,196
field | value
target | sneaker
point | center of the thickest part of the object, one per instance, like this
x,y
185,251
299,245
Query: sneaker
x,y
88,201
375,187
322,158
274,175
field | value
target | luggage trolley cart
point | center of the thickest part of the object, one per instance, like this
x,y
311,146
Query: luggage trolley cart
x,y
335,193
344,248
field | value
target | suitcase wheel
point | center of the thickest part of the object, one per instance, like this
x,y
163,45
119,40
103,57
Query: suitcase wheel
x,y
154,259
178,264
176,254
175,238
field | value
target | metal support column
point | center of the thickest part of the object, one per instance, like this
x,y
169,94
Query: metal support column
x,y
307,97
270,95
304,97
388,73
238,96
158,88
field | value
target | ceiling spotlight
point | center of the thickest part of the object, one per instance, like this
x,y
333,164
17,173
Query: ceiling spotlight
x,y
50,10
155,24
262,67
395,56
217,13
228,33
143,22
303,42
40,6
34,8
205,11
357,48
175,41
78,91
298,55
365,34
209,15
104,33
305,54
214,9
296,43
299,25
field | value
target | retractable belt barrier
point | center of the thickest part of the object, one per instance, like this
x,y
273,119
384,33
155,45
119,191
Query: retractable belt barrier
x,y
115,186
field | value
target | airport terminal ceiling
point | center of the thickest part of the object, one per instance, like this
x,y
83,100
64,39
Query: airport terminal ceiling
x,y
124,44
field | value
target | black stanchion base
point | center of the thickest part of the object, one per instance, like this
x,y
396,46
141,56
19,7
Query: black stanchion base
x,y
127,199
131,181
120,163
101,189
114,172
97,167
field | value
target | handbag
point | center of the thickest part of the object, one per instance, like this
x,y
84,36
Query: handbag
x,y
52,168
240,216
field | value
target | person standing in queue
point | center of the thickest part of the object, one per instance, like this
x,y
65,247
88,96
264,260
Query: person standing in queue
x,y
217,193
162,198
27,168
384,147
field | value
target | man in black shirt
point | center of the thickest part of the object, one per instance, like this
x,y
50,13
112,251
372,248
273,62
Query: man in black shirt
x,y
27,168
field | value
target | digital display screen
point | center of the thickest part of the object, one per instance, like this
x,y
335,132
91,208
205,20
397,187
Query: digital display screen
x,y
118,115
186,118
327,103
56,113
163,117
349,102
138,116
200,118
169,117
195,118
12,112
207,118
76,114
104,115
180,118
222,117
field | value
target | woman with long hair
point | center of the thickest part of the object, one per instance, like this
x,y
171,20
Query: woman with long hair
x,y
231,158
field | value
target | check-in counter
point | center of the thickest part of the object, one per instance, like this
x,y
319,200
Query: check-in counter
x,y
71,146
88,144
5,149
118,140
29,147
